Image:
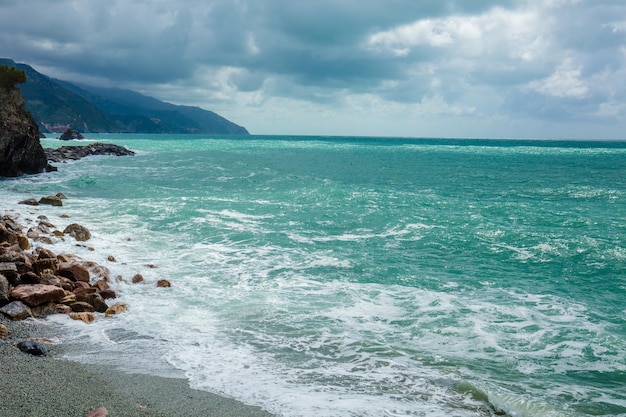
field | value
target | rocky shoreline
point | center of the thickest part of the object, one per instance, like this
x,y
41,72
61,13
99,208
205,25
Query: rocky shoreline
x,y
36,282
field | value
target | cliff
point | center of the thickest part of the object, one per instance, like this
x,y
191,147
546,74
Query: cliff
x,y
20,150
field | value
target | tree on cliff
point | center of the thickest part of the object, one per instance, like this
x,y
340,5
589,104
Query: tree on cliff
x,y
10,76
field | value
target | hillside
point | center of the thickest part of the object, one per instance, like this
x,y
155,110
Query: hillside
x,y
57,104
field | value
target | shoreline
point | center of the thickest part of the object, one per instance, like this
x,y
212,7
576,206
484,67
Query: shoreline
x,y
47,385
52,385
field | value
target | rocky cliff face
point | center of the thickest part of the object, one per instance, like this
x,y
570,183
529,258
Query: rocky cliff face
x,y
20,150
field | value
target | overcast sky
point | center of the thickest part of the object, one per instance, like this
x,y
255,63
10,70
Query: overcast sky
x,y
417,68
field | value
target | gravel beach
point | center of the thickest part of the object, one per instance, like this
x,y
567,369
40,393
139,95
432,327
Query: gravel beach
x,y
37,386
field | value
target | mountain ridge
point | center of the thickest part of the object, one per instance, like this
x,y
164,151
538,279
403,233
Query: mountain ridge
x,y
58,104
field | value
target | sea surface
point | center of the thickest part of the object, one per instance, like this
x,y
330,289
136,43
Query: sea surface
x,y
344,276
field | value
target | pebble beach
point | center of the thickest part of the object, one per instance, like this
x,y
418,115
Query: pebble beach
x,y
47,386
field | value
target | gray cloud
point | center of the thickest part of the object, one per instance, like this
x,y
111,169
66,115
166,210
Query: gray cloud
x,y
553,60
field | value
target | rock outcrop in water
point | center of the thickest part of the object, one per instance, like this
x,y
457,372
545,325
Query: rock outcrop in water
x,y
71,134
20,150
65,153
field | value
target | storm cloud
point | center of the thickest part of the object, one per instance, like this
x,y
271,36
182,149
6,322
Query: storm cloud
x,y
519,68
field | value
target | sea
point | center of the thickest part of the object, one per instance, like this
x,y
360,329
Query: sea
x,y
356,276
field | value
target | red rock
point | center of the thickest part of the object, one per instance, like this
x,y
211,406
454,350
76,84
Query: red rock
x,y
101,285
81,306
108,294
74,271
42,265
80,284
46,254
37,294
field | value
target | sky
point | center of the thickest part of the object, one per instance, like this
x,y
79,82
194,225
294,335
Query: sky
x,y
407,68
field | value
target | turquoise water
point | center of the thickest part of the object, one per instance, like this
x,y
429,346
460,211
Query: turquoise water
x,y
360,276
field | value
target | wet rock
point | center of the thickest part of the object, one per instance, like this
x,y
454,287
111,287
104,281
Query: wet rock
x,y
116,308
16,310
4,331
163,283
31,347
29,202
71,134
97,270
78,232
51,200
137,278
37,294
86,317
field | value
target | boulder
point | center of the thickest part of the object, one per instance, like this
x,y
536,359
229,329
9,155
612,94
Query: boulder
x,y
7,235
44,310
116,308
108,294
42,266
78,232
20,149
71,134
163,283
85,316
29,202
37,294
51,200
46,254
74,272
23,242
30,278
31,347
9,270
4,331
16,310
137,278
5,290
81,306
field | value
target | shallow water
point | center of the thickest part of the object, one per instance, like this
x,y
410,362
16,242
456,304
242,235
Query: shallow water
x,y
359,276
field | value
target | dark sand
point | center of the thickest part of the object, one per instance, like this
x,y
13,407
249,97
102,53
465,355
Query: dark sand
x,y
44,386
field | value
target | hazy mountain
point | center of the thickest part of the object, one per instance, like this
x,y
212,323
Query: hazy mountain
x,y
56,105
